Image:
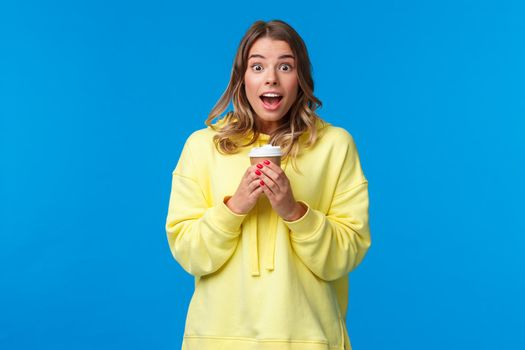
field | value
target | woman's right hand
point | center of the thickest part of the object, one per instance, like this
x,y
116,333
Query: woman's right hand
x,y
247,193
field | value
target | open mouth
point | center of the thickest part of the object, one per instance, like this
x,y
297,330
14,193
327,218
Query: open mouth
x,y
271,99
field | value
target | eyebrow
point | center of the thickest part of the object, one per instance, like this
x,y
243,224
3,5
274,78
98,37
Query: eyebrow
x,y
280,57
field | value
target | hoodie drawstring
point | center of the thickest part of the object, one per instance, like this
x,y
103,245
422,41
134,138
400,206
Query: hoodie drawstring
x,y
254,248
270,254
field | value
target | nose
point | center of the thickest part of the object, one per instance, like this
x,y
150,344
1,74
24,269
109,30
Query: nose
x,y
271,78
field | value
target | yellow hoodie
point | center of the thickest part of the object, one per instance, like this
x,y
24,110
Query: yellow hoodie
x,y
262,283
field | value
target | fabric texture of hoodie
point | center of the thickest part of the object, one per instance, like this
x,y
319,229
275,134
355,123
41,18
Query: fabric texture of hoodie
x,y
263,283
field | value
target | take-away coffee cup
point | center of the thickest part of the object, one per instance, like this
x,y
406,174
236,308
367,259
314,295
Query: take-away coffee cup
x,y
266,152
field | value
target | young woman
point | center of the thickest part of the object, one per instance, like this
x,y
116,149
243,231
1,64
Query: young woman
x,y
270,246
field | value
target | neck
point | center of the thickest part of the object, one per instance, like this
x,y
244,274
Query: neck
x,y
267,127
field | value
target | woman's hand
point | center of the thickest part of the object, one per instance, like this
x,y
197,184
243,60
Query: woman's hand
x,y
247,193
277,188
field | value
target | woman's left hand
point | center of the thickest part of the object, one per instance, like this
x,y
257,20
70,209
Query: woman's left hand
x,y
277,188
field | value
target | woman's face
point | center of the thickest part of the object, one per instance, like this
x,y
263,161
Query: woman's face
x,y
270,82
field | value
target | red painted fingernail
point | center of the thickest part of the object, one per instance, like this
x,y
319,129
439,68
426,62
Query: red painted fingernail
x,y
258,172
259,166
266,162
262,183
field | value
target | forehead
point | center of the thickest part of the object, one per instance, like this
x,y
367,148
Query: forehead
x,y
270,48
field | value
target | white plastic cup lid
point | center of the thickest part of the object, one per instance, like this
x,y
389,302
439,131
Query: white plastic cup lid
x,y
266,151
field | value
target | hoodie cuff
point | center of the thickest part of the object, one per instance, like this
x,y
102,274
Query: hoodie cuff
x,y
225,219
306,225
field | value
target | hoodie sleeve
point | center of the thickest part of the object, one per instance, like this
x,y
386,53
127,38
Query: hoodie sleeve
x,y
201,237
333,244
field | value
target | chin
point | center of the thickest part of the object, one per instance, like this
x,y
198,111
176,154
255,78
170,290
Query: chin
x,y
270,118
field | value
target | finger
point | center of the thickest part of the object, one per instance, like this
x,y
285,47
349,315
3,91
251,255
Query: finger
x,y
274,172
251,174
254,185
257,192
251,169
248,171
268,192
270,183
258,173
269,164
255,167
269,187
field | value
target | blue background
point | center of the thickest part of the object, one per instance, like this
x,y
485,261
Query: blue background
x,y
97,98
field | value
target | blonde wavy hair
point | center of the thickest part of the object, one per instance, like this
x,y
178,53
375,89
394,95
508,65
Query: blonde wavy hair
x,y
240,123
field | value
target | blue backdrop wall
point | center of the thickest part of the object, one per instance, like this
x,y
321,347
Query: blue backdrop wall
x,y
97,98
